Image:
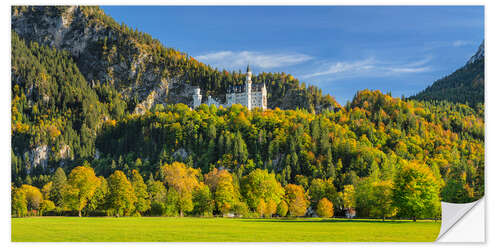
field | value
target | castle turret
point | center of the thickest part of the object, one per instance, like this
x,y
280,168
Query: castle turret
x,y
196,98
249,79
264,96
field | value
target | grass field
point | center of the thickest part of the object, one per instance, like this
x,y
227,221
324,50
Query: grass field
x,y
218,229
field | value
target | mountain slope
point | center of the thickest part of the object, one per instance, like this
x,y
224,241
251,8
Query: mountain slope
x,y
140,67
55,113
466,85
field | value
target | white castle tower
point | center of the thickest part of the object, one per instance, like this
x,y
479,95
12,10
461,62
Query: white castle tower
x,y
248,88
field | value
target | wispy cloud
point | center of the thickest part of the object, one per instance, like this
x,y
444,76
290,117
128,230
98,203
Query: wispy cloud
x,y
340,67
238,59
460,43
453,44
369,67
409,70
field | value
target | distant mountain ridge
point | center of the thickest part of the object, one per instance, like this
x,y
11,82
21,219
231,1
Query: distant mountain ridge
x,y
465,85
478,55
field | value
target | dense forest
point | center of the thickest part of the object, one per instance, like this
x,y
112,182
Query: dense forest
x,y
272,157
54,109
80,146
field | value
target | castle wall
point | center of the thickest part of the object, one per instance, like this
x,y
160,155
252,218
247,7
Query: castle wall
x,y
257,99
196,98
250,99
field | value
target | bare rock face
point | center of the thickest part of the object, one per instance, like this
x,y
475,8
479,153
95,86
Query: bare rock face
x,y
103,53
180,93
65,152
58,29
159,95
39,156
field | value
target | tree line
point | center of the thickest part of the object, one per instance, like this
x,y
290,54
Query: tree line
x,y
179,190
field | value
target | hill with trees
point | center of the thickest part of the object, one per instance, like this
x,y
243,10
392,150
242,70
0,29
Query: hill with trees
x,y
139,67
466,85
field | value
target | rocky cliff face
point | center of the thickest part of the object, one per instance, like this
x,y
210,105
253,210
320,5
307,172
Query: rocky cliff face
x,y
103,53
39,156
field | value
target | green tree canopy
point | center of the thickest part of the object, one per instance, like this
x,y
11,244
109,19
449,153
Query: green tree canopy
x,y
320,189
382,204
143,203
261,185
183,180
416,191
59,181
121,194
83,182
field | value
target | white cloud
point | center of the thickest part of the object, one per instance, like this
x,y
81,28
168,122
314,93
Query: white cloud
x,y
340,67
409,70
421,62
460,43
233,60
369,67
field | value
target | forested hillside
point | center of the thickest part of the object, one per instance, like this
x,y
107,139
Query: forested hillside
x,y
466,85
372,156
55,113
375,133
74,68
139,67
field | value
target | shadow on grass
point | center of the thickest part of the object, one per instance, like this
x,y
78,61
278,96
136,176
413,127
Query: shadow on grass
x,y
300,220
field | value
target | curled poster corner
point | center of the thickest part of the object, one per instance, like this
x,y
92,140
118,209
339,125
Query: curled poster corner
x,y
453,213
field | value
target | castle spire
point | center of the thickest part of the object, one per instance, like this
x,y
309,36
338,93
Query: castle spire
x,y
248,81
248,87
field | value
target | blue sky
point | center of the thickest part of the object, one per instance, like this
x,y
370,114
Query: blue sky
x,y
341,49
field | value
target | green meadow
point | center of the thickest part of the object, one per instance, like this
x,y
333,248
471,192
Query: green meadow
x,y
148,229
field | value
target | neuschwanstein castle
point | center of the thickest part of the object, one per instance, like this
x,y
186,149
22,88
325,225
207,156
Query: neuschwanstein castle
x,y
250,95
